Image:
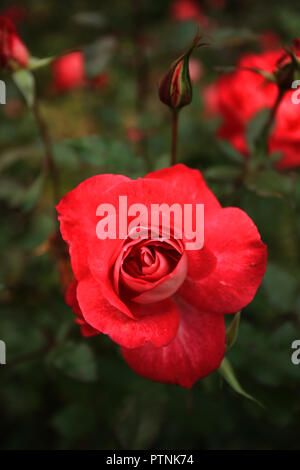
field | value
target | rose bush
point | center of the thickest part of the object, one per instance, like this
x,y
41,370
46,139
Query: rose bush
x,y
164,305
13,53
239,95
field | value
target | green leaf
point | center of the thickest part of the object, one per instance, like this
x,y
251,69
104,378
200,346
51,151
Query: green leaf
x,y
111,156
230,152
141,417
233,330
37,63
275,157
280,286
226,371
269,183
13,155
24,80
75,360
31,196
256,127
223,172
18,196
74,421
11,191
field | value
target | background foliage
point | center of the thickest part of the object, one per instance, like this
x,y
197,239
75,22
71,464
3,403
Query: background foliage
x,y
59,390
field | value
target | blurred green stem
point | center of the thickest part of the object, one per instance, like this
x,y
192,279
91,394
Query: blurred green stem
x,y
174,137
270,122
49,162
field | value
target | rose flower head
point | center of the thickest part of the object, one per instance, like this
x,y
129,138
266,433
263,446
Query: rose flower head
x,y
187,10
255,84
13,53
69,73
163,297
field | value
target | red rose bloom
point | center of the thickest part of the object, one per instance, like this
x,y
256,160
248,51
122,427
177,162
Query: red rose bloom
x,y
134,135
269,40
69,73
186,10
13,53
196,70
161,302
15,13
239,95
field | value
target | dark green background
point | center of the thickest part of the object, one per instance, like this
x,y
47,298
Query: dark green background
x,y
59,390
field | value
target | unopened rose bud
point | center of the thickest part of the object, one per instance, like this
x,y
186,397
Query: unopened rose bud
x,y
13,53
296,47
175,89
285,76
288,67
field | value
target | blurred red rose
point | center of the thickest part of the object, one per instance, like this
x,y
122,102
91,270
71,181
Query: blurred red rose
x,y
196,69
134,134
15,13
269,40
185,10
163,304
100,81
239,95
13,53
210,97
69,74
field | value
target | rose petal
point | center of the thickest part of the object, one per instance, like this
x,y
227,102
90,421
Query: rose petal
x,y
195,352
71,300
165,287
156,323
187,185
78,222
241,259
102,253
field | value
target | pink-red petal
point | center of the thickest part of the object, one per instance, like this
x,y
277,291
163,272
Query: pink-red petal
x,y
195,352
71,300
241,259
156,323
187,185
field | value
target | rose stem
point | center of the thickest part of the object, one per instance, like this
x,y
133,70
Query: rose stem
x,y
174,137
270,121
49,163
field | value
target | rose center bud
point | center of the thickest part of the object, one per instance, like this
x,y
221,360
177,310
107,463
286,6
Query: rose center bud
x,y
147,256
149,270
